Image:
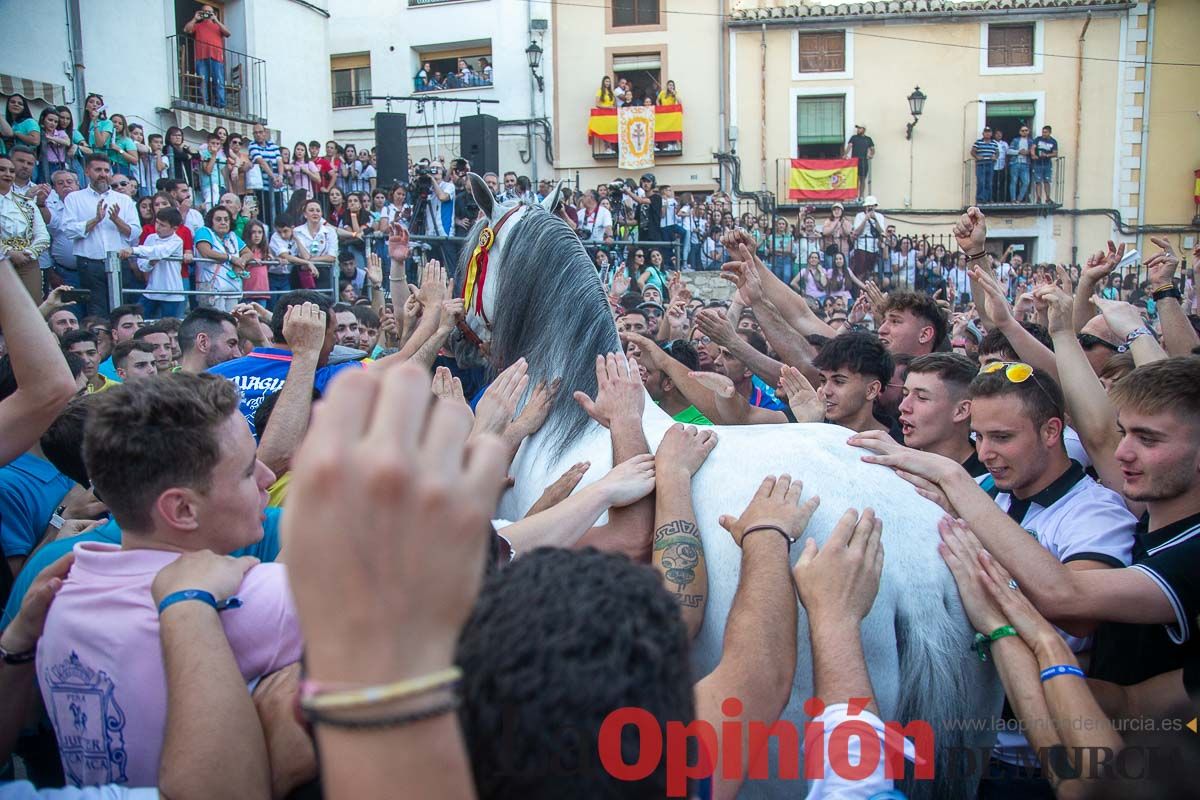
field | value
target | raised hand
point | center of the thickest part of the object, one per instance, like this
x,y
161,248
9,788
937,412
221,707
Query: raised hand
x,y
496,407
387,463
101,210
1059,306
715,326
684,447
801,396
776,503
1121,317
629,481
452,311
304,328
993,296
398,243
960,550
447,387
561,489
433,285
877,297
374,269
1162,265
620,396
971,231
840,580
1102,262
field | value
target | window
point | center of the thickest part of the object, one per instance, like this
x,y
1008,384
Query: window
x,y
351,80
820,126
643,71
626,13
824,51
462,66
1010,45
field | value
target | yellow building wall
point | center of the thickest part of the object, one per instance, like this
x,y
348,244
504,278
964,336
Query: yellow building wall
x,y
944,60
1173,149
585,44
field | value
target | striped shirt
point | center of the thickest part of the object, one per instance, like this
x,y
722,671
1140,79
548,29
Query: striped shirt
x,y
986,149
269,152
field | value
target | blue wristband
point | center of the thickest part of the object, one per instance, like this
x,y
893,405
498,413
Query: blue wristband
x,y
197,594
1061,669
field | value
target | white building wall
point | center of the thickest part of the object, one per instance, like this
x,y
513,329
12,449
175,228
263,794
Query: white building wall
x,y
394,34
293,40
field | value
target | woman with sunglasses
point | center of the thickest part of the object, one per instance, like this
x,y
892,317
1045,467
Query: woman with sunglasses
x,y
237,164
179,157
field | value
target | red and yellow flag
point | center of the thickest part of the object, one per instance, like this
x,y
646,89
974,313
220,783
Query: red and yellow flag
x,y
1196,191
668,124
823,179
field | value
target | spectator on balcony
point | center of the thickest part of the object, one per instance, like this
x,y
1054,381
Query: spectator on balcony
x,y
354,223
95,125
838,280
623,94
306,176
331,168
98,219
152,164
179,156
984,151
1018,170
350,173
53,147
78,149
485,71
212,172
466,75
781,251
903,264
210,34
121,149
667,96
861,148
368,174
221,257
1045,148
869,247
604,95
192,219
258,245
23,233
836,231
19,125
421,79
999,177
810,277
237,164
265,176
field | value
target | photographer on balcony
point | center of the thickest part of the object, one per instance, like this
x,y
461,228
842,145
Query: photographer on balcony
x,y
209,51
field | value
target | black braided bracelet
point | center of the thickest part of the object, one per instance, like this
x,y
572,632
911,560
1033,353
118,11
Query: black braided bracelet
x,y
375,723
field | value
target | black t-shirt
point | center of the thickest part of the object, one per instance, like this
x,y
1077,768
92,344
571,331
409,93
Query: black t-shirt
x,y
1125,653
650,219
859,145
464,207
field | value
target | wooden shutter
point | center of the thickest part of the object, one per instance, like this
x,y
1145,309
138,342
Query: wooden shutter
x,y
824,51
1010,45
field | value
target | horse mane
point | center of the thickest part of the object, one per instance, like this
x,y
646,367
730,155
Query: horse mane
x,y
550,308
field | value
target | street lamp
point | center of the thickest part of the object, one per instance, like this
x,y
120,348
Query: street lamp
x,y
916,104
533,54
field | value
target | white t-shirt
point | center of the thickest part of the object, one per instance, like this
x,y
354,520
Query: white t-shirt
x,y
434,223
868,239
592,223
24,790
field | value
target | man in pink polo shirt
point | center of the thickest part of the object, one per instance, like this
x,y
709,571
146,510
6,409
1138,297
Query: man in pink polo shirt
x,y
176,464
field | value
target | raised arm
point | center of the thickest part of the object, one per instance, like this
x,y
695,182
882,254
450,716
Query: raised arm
x,y
719,329
678,553
971,234
304,330
44,382
758,657
1098,266
1029,349
1179,337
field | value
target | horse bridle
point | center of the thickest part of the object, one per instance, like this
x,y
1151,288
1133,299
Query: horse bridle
x,y
477,276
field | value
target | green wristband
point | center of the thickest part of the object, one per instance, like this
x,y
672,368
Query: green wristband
x,y
983,644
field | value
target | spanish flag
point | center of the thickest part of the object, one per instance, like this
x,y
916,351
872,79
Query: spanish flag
x,y
1196,191
668,124
827,179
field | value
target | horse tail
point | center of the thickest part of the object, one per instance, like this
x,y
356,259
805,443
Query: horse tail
x,y
940,681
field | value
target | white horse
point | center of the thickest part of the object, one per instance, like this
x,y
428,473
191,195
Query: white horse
x,y
540,298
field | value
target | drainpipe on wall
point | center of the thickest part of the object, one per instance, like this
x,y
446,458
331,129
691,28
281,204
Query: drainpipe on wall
x,y
722,79
1078,124
1144,158
762,123
77,67
532,137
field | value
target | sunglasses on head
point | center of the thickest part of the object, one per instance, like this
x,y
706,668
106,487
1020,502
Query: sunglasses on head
x,y
1015,372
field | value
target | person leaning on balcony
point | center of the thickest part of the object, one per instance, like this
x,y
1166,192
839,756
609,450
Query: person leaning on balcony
x,y
667,96
209,33
604,95
1043,152
861,148
1018,172
984,152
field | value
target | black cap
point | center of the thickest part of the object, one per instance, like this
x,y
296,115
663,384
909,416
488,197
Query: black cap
x,y
649,176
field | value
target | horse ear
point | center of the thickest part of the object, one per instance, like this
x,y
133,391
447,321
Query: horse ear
x,y
553,200
482,194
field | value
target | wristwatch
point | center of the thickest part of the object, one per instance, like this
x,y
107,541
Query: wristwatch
x,y
1163,292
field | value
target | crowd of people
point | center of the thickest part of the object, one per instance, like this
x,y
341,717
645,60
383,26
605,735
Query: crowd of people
x,y
173,466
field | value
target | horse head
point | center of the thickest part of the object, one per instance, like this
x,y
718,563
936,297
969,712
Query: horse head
x,y
485,248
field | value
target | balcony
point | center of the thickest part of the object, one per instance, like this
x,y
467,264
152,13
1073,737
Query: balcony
x,y
438,83
1006,194
604,139
359,97
239,93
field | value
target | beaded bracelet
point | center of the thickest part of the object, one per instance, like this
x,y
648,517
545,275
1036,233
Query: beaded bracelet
x,y
390,721
1061,669
983,644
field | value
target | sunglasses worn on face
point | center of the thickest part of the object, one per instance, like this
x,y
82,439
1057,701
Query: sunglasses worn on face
x,y
1088,340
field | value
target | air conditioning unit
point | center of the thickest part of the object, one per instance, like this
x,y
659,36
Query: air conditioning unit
x,y
538,25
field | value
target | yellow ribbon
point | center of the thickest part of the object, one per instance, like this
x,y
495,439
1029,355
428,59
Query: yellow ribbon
x,y
486,237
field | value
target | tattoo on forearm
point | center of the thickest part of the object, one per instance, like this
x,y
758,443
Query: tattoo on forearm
x,y
681,554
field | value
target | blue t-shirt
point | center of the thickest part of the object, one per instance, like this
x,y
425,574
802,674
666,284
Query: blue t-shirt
x,y
264,371
763,396
30,489
265,549
108,370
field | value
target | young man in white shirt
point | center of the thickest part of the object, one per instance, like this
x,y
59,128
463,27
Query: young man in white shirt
x,y
869,228
595,221
99,220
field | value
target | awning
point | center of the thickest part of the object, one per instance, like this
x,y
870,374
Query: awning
x,y
32,90
205,123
